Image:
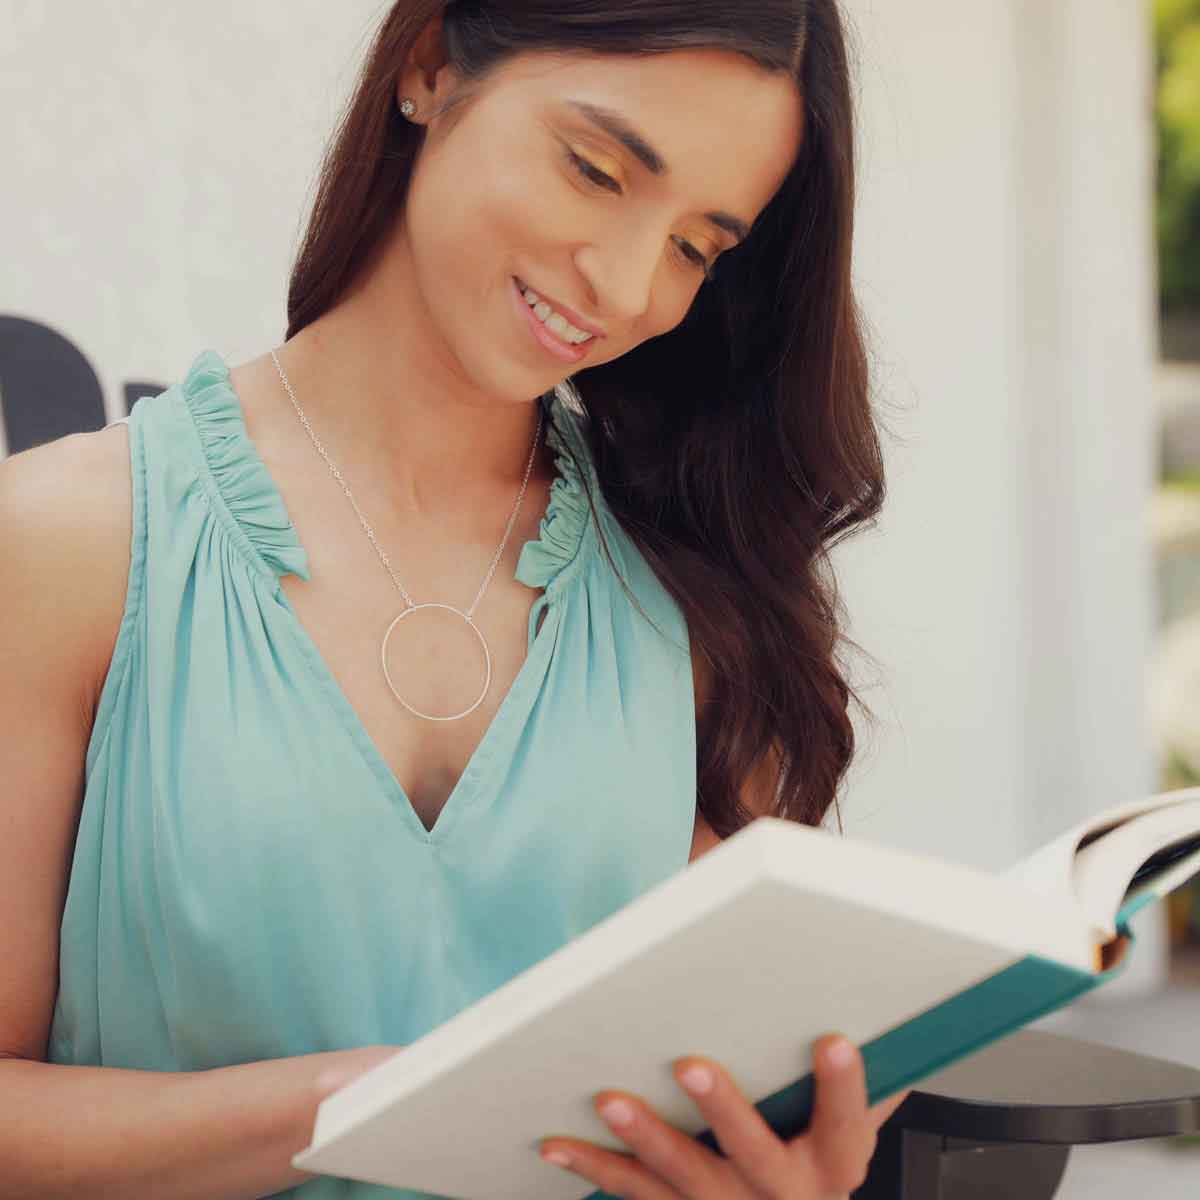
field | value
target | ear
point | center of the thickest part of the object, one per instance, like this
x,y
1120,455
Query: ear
x,y
427,79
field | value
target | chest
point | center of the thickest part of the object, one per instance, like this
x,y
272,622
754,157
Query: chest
x,y
436,662
438,668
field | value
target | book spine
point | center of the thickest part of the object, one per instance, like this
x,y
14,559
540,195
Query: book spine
x,y
953,1029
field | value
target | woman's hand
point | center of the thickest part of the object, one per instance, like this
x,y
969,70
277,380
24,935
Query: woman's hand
x,y
830,1159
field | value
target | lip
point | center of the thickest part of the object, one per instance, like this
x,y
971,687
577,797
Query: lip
x,y
569,313
561,350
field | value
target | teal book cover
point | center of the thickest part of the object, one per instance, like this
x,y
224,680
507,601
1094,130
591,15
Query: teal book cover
x,y
966,1022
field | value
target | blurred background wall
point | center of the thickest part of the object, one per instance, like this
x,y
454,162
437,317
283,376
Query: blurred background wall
x,y
160,159
1006,259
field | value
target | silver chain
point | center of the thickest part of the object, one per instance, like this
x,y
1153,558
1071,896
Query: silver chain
x,y
383,558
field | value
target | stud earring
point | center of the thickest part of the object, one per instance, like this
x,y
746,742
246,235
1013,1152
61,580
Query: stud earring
x,y
407,107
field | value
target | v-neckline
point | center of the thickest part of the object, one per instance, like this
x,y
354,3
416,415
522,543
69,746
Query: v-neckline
x,y
504,720
466,786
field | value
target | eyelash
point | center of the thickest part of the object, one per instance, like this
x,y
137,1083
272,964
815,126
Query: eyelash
x,y
594,175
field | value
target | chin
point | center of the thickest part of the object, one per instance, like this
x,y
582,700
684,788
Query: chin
x,y
508,384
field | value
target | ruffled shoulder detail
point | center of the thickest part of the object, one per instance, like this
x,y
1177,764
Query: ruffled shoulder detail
x,y
568,513
239,474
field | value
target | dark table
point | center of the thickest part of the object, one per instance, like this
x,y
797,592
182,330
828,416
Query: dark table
x,y
1001,1123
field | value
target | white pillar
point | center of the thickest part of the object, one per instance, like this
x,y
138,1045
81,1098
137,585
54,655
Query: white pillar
x,y
1006,264
1092,341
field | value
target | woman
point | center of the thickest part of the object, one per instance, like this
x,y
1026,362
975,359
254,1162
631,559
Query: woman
x,y
577,282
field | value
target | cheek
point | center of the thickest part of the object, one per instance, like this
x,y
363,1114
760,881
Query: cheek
x,y
478,205
530,204
445,223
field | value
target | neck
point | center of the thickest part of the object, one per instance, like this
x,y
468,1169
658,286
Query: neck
x,y
392,405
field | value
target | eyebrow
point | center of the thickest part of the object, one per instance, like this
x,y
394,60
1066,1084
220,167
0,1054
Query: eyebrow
x,y
615,124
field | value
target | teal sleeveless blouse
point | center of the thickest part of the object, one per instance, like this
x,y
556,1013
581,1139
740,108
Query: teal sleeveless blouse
x,y
249,880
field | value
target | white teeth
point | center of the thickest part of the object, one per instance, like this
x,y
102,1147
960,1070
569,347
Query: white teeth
x,y
554,321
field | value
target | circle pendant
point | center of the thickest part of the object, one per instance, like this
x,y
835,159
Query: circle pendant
x,y
474,628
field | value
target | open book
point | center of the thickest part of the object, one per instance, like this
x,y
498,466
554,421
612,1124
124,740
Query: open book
x,y
778,935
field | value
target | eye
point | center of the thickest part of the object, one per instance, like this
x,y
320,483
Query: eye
x,y
593,173
694,256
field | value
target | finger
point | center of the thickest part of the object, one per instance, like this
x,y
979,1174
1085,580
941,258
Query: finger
x,y
840,1138
612,1172
672,1155
749,1143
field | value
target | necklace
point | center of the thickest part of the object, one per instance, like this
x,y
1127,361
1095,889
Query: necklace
x,y
412,607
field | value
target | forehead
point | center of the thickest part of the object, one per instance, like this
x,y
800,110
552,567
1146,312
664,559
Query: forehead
x,y
720,122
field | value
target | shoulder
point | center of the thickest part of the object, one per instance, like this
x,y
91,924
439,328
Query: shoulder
x,y
65,533
67,504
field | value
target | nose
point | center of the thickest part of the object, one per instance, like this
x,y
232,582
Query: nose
x,y
621,273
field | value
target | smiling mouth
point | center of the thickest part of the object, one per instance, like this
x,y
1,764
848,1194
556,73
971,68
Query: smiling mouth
x,y
556,322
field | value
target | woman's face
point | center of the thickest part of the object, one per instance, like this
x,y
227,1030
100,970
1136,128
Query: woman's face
x,y
531,180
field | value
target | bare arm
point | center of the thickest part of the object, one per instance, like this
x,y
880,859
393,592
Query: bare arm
x,y
100,1132
68,1131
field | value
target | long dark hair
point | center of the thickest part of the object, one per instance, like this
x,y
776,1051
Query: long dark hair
x,y
735,450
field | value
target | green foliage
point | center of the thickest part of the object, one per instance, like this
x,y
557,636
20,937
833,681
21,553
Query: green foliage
x,y
1177,109
1182,481
1176,773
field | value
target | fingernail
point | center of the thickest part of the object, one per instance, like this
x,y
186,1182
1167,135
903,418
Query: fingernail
x,y
839,1053
617,1112
557,1157
697,1079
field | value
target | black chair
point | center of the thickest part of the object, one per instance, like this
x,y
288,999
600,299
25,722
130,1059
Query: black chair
x,y
1001,1123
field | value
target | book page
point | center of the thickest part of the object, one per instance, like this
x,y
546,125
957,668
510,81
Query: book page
x,y
1102,871
1050,868
1160,885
